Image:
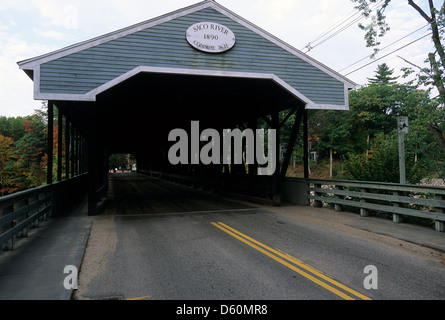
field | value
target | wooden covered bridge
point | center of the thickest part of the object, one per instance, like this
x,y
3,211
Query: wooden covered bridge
x,y
125,91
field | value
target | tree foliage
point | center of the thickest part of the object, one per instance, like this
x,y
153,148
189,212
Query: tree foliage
x,y
22,152
365,137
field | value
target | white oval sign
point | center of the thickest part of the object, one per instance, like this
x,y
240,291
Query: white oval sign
x,y
210,37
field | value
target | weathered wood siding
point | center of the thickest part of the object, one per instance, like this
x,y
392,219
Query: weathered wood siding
x,y
165,45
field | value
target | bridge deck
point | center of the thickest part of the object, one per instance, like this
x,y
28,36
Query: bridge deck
x,y
132,193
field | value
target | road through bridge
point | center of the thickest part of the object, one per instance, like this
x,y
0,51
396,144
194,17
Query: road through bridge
x,y
170,231
199,245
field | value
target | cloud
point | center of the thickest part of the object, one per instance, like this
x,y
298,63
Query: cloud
x,y
16,89
51,34
16,92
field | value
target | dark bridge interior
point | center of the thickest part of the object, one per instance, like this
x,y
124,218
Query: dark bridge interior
x,y
137,115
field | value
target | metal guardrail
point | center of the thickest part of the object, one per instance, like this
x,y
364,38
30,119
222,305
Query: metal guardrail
x,y
22,210
396,199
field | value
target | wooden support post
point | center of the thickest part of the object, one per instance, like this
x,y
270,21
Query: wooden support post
x,y
59,145
92,162
291,142
439,225
397,218
305,144
338,207
363,211
317,203
82,154
78,170
287,156
67,148
49,166
252,167
276,176
73,154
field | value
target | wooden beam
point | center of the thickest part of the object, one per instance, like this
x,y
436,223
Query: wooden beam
x,y
276,176
49,166
73,155
287,116
268,121
291,142
67,148
92,159
306,144
59,144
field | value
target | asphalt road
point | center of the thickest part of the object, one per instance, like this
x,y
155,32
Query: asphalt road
x,y
247,253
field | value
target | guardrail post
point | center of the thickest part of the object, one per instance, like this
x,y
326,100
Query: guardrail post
x,y
396,218
338,207
3,228
363,211
317,203
439,225
45,194
21,204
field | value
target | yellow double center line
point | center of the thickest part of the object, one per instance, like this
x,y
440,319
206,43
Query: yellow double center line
x,y
294,264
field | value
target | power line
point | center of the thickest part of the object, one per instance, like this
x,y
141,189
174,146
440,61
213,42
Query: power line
x,y
404,46
340,22
392,43
309,46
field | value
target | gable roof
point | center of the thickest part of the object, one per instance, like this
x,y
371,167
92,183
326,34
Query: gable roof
x,y
32,66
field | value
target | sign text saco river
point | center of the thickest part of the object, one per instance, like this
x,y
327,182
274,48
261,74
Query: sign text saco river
x,y
210,37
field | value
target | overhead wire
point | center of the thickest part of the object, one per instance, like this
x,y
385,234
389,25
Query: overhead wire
x,y
339,24
402,47
387,46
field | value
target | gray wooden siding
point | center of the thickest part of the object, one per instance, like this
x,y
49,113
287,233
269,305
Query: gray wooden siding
x,y
165,45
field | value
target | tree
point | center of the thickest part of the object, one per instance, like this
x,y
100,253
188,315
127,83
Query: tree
x,y
378,27
119,161
383,164
383,75
7,185
365,137
30,151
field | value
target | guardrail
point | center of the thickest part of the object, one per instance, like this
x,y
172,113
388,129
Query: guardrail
x,y
22,210
397,199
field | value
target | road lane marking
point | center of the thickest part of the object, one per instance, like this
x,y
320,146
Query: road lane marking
x,y
299,263
278,255
139,298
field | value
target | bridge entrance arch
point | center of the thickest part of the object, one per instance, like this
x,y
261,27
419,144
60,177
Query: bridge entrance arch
x,y
125,91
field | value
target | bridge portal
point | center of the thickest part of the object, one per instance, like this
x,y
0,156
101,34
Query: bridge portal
x,y
123,92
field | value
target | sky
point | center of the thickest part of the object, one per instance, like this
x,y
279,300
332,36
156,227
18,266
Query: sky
x,y
29,28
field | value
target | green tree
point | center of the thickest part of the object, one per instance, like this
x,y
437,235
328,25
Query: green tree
x,y
378,27
13,127
433,75
382,164
369,130
119,161
383,76
30,150
7,184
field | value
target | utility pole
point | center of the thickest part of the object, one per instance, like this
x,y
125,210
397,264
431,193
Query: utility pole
x,y
402,129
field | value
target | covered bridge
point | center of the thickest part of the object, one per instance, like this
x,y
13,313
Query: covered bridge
x,y
123,92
